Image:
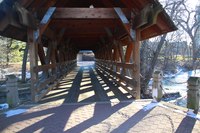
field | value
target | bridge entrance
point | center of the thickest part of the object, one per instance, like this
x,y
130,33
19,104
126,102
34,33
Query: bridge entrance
x,y
112,30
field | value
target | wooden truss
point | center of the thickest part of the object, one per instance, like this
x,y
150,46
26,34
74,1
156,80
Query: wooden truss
x,y
56,30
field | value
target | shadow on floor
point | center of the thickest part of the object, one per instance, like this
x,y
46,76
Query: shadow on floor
x,y
85,84
55,119
186,125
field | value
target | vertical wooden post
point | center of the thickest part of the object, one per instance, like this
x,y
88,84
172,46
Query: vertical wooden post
x,y
53,56
136,58
128,52
33,46
193,94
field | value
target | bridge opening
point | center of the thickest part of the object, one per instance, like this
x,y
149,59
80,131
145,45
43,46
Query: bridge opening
x,y
85,58
111,29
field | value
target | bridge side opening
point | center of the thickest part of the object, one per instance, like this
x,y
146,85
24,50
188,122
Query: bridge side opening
x,y
85,58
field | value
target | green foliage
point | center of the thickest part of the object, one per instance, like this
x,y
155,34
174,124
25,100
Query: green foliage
x,y
16,55
2,50
11,50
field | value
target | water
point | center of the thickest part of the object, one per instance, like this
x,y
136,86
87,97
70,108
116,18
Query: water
x,y
178,83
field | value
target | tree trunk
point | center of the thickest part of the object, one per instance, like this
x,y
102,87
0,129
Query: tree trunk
x,y
148,75
194,53
9,44
143,61
25,56
7,59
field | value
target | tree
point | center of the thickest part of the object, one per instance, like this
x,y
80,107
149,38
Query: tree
x,y
187,19
9,50
150,56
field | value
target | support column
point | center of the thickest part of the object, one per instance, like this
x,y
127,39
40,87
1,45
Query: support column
x,y
193,94
33,46
136,59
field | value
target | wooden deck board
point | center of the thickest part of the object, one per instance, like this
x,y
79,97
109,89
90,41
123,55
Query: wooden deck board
x,y
85,85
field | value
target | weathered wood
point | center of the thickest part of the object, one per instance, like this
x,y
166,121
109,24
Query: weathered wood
x,y
87,13
129,52
121,53
126,79
33,46
48,15
136,59
41,94
111,74
46,20
119,64
41,54
8,18
25,17
125,23
147,16
45,83
44,67
125,87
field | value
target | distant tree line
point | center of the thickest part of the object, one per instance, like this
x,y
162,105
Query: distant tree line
x,y
10,50
170,50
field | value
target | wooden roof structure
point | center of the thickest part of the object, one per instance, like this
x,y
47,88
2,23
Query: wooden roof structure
x,y
65,27
82,21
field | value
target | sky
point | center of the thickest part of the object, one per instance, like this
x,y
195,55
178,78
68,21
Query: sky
x,y
193,3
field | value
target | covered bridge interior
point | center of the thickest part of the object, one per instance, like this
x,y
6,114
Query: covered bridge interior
x,y
112,29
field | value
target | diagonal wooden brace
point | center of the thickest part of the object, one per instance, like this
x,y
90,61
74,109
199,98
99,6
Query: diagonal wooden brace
x,y
125,22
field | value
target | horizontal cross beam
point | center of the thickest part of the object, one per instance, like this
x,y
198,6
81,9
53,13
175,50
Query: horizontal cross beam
x,y
88,13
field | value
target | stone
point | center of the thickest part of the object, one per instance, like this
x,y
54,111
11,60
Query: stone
x,y
157,92
193,98
12,95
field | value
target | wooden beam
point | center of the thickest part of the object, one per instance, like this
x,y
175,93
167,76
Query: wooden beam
x,y
8,17
44,67
129,50
46,20
54,54
25,17
147,16
125,23
88,13
33,46
41,54
136,59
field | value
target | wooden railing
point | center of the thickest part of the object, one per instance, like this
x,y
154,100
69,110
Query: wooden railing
x,y
121,73
52,74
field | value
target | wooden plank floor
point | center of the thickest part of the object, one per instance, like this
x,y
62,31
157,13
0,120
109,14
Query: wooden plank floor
x,y
84,84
